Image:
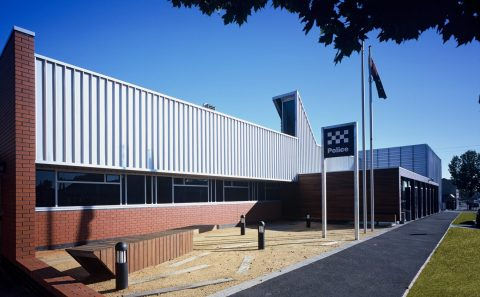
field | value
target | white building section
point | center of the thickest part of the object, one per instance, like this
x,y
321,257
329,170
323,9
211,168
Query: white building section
x,y
87,119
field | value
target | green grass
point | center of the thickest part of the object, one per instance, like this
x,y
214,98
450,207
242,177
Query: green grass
x,y
454,269
465,217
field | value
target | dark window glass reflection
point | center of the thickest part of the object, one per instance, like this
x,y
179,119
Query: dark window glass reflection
x,y
236,194
45,188
80,194
164,189
113,178
200,182
135,189
80,176
288,117
185,194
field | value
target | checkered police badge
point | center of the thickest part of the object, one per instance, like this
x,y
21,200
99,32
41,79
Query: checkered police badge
x,y
338,141
338,137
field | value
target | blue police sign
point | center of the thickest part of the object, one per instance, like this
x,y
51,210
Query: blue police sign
x,y
339,140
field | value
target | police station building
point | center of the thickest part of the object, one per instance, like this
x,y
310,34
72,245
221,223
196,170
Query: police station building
x,y
86,157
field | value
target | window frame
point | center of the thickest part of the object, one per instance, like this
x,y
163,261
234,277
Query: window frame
x,y
211,185
57,181
232,186
189,185
285,100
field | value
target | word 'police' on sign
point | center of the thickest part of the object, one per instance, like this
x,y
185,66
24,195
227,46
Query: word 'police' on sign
x,y
339,141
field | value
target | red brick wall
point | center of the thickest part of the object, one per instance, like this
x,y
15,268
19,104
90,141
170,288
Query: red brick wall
x,y
17,145
67,227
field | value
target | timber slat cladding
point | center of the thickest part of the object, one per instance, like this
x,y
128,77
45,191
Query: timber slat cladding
x,y
340,195
143,251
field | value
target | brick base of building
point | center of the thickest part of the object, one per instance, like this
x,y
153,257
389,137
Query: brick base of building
x,y
73,227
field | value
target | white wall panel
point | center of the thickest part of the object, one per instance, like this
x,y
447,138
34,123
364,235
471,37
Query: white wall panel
x,y
101,122
123,128
48,112
58,114
87,119
95,118
76,115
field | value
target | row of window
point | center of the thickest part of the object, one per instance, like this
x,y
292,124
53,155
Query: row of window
x,y
61,188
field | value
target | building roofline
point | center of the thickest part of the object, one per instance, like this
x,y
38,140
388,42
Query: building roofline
x,y
20,29
107,77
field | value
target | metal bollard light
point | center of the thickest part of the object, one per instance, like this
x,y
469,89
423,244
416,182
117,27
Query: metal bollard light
x,y
261,235
309,221
242,224
121,266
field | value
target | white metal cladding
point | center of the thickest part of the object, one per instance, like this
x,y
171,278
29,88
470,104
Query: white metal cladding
x,y
87,119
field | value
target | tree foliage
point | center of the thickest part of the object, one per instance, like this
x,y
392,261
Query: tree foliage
x,y
346,23
465,172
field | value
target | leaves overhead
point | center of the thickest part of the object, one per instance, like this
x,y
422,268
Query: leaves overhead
x,y
346,23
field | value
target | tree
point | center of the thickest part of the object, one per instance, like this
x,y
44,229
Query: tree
x,y
346,23
465,172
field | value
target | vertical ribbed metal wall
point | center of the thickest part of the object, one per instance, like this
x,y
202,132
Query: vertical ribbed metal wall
x,y
418,158
88,119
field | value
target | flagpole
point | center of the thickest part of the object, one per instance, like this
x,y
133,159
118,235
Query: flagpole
x,y
364,161
372,196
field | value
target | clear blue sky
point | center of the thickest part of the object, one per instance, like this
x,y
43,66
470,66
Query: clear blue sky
x,y
433,88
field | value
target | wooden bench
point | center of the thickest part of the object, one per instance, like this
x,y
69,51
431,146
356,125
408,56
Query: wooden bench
x,y
143,251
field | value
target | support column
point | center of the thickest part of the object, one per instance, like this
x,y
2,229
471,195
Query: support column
x,y
430,196
17,145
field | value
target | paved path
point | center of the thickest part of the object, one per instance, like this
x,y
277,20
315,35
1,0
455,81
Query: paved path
x,y
382,266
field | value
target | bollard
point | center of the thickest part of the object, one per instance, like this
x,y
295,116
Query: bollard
x,y
121,266
242,224
261,235
308,221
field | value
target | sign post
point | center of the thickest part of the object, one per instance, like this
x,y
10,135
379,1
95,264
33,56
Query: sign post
x,y
339,141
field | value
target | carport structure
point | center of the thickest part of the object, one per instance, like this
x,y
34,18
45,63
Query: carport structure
x,y
418,198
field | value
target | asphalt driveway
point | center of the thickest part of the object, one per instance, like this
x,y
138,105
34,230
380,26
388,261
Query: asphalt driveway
x,y
382,266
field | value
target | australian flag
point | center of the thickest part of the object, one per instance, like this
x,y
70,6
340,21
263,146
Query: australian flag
x,y
376,79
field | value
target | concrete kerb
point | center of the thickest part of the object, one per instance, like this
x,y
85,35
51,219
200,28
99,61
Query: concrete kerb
x,y
426,261
263,278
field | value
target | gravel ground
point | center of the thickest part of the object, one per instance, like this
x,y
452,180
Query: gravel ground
x,y
221,254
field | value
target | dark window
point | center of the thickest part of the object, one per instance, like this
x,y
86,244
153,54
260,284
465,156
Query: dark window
x,y
178,181
81,194
261,191
124,189
236,194
113,178
81,176
149,190
188,194
276,190
288,117
240,184
233,183
164,189
211,190
253,191
45,188
219,188
135,189
200,182
272,191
